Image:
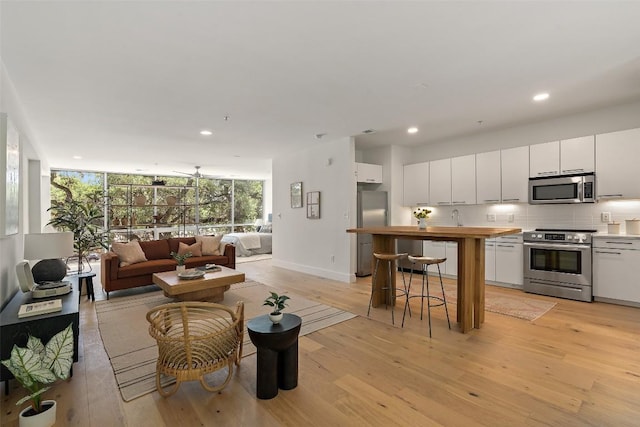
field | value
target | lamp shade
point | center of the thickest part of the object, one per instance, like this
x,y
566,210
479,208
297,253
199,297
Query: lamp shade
x,y
49,248
48,245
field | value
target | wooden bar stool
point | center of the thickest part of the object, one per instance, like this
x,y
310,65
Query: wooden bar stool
x,y
425,262
392,260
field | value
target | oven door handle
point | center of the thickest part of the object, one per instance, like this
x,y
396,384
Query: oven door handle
x,y
562,247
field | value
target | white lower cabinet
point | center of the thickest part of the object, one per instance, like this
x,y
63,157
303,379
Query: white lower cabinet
x,y
490,260
509,260
616,268
436,249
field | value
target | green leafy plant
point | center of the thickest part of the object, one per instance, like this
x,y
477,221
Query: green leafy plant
x,y
36,366
85,220
277,302
180,258
421,213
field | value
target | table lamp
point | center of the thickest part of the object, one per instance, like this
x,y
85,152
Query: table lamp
x,y
49,248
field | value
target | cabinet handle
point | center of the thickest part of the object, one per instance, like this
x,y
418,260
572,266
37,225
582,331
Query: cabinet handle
x,y
572,170
610,253
422,204
548,173
510,200
621,243
444,203
609,195
491,200
370,180
506,246
460,203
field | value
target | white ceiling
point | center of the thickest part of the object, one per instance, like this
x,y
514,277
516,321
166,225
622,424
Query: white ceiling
x,y
129,85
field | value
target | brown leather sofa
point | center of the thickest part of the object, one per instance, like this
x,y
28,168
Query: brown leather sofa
x,y
158,254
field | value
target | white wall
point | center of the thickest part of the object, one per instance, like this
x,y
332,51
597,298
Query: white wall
x,y
11,247
620,117
321,246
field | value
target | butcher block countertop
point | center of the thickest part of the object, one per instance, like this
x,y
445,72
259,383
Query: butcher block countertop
x,y
442,232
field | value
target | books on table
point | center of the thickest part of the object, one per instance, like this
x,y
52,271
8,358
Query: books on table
x,y
41,307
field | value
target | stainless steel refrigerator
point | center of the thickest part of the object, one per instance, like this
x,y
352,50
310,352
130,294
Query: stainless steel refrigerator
x,y
372,212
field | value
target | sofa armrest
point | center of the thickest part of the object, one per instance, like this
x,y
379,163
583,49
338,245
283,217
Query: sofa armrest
x,y
230,252
109,264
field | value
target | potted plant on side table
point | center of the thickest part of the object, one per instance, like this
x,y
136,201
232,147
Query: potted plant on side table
x,y
180,259
36,367
278,302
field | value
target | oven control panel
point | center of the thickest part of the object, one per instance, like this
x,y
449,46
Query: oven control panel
x,y
557,237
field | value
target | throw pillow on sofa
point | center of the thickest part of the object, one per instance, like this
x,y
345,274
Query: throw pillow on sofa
x,y
195,249
210,244
156,249
129,253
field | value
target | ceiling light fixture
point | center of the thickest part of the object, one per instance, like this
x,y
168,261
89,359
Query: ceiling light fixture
x,y
319,135
541,97
412,130
77,157
206,132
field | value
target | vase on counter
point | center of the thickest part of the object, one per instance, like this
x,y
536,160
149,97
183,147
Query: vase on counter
x,y
422,223
180,268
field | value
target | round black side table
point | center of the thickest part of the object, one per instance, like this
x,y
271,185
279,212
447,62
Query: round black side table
x,y
277,345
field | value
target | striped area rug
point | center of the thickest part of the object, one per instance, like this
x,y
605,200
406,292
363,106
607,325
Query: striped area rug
x,y
133,353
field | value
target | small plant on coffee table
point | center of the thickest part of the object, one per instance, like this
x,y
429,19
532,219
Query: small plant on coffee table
x,y
180,258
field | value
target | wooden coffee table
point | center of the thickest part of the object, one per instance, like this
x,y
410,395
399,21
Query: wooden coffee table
x,y
211,287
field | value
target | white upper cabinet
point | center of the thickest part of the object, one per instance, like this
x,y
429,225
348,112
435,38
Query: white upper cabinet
x,y
544,159
488,177
440,182
577,155
515,174
463,180
366,172
617,166
416,184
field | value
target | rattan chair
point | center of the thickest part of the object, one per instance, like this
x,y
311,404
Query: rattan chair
x,y
195,339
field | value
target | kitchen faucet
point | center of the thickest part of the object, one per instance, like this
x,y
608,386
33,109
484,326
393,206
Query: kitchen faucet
x,y
456,214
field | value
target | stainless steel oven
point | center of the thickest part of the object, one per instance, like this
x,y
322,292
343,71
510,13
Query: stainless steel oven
x,y
558,263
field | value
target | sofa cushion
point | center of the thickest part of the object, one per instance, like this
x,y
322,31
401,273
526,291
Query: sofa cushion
x,y
174,242
156,249
129,253
146,268
210,244
195,249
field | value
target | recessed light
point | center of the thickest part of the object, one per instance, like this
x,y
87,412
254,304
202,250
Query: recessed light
x,y
412,130
368,131
541,96
206,132
320,135
77,157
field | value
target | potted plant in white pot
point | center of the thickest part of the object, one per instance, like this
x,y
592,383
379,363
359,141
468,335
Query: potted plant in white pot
x,y
36,367
278,303
180,259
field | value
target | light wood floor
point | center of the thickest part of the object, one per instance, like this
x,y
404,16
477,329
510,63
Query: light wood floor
x,y
578,365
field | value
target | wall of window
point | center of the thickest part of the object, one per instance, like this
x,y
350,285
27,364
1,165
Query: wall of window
x,y
205,206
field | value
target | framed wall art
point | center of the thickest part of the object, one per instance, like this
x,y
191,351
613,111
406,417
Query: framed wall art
x,y
10,181
296,195
313,205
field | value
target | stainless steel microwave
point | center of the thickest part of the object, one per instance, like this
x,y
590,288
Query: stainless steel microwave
x,y
577,188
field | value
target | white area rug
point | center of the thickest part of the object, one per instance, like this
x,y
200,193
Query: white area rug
x,y
133,353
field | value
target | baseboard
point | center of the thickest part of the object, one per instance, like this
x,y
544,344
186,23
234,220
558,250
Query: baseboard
x,y
315,271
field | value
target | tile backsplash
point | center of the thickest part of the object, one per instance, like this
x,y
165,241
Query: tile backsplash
x,y
529,217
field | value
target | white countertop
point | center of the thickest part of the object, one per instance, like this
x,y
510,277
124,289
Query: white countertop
x,y
616,236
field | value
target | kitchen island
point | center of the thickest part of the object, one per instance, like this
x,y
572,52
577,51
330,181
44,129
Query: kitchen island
x,y
470,240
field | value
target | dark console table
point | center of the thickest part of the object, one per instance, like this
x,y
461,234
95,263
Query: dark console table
x,y
14,330
277,345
